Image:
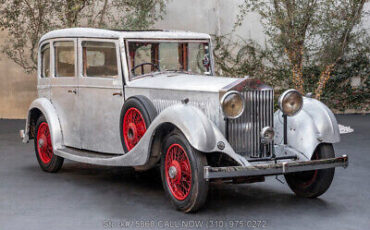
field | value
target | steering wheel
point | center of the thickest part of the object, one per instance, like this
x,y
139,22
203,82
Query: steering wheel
x,y
142,67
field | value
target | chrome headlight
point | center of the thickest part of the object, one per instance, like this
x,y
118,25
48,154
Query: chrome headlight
x,y
290,102
232,104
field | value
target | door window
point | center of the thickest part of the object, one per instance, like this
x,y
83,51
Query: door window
x,y
64,59
99,59
45,61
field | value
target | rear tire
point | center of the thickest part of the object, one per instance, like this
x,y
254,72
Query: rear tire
x,y
311,184
48,161
182,174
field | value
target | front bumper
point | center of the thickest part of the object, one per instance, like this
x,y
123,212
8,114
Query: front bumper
x,y
274,168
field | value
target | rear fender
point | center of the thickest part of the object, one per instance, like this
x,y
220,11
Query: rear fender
x,y
45,107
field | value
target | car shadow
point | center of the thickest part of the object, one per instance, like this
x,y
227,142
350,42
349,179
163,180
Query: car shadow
x,y
129,188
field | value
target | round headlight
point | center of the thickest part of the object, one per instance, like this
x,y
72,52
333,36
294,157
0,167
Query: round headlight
x,y
232,104
290,102
267,135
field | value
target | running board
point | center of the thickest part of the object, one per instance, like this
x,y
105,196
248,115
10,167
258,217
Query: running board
x,y
89,157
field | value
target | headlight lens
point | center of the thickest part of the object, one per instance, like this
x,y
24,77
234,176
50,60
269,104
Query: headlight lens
x,y
232,104
290,102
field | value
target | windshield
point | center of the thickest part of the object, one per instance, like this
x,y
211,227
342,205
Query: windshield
x,y
147,57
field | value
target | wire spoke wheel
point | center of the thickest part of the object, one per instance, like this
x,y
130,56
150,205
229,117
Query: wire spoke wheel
x,y
134,127
44,145
48,161
178,171
182,172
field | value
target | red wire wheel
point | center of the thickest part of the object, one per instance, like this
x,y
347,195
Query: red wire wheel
x,y
178,172
44,145
134,127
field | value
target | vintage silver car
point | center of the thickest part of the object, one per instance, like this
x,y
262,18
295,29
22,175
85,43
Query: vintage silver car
x,y
148,98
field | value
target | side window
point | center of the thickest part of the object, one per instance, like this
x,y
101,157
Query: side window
x,y
45,61
64,59
200,58
99,59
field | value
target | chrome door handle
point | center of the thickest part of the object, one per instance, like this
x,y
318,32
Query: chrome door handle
x,y
72,91
117,94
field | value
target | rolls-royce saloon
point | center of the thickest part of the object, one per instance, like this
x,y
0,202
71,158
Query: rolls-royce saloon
x,y
148,99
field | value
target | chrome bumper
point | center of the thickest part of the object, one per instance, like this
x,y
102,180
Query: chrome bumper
x,y
273,168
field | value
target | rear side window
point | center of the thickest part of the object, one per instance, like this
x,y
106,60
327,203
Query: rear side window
x,y
99,59
64,59
45,61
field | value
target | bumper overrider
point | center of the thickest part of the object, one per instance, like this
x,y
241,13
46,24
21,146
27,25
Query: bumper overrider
x,y
273,168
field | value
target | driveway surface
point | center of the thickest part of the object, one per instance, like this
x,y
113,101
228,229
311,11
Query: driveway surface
x,y
91,197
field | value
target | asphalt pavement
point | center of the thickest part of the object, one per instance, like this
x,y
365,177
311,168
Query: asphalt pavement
x,y
83,196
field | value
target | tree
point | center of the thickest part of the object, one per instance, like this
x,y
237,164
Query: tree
x,y
25,21
309,32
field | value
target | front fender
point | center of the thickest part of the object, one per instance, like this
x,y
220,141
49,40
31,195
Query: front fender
x,y
313,125
48,110
201,133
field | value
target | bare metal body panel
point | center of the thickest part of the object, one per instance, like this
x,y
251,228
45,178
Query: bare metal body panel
x,y
313,125
65,102
169,89
100,116
202,134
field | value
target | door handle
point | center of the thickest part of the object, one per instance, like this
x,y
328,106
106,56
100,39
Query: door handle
x,y
117,94
72,91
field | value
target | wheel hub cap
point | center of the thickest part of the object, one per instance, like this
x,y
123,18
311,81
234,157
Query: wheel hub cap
x,y
132,132
172,172
41,143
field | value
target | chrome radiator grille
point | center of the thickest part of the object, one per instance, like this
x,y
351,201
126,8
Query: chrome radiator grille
x,y
244,132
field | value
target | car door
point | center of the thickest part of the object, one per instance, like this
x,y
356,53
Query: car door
x,y
101,95
64,89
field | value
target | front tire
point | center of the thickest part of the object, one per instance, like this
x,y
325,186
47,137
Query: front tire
x,y
311,184
44,148
182,174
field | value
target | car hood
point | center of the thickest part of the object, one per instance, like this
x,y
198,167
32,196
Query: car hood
x,y
180,81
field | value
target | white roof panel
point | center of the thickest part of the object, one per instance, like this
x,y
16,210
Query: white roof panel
x,y
103,33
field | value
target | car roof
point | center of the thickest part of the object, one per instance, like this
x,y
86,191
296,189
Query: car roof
x,y
114,34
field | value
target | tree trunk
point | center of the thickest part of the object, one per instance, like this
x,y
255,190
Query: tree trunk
x,y
297,78
324,77
295,56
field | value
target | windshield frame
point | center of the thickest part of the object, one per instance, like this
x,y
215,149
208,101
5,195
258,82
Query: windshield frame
x,y
132,77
